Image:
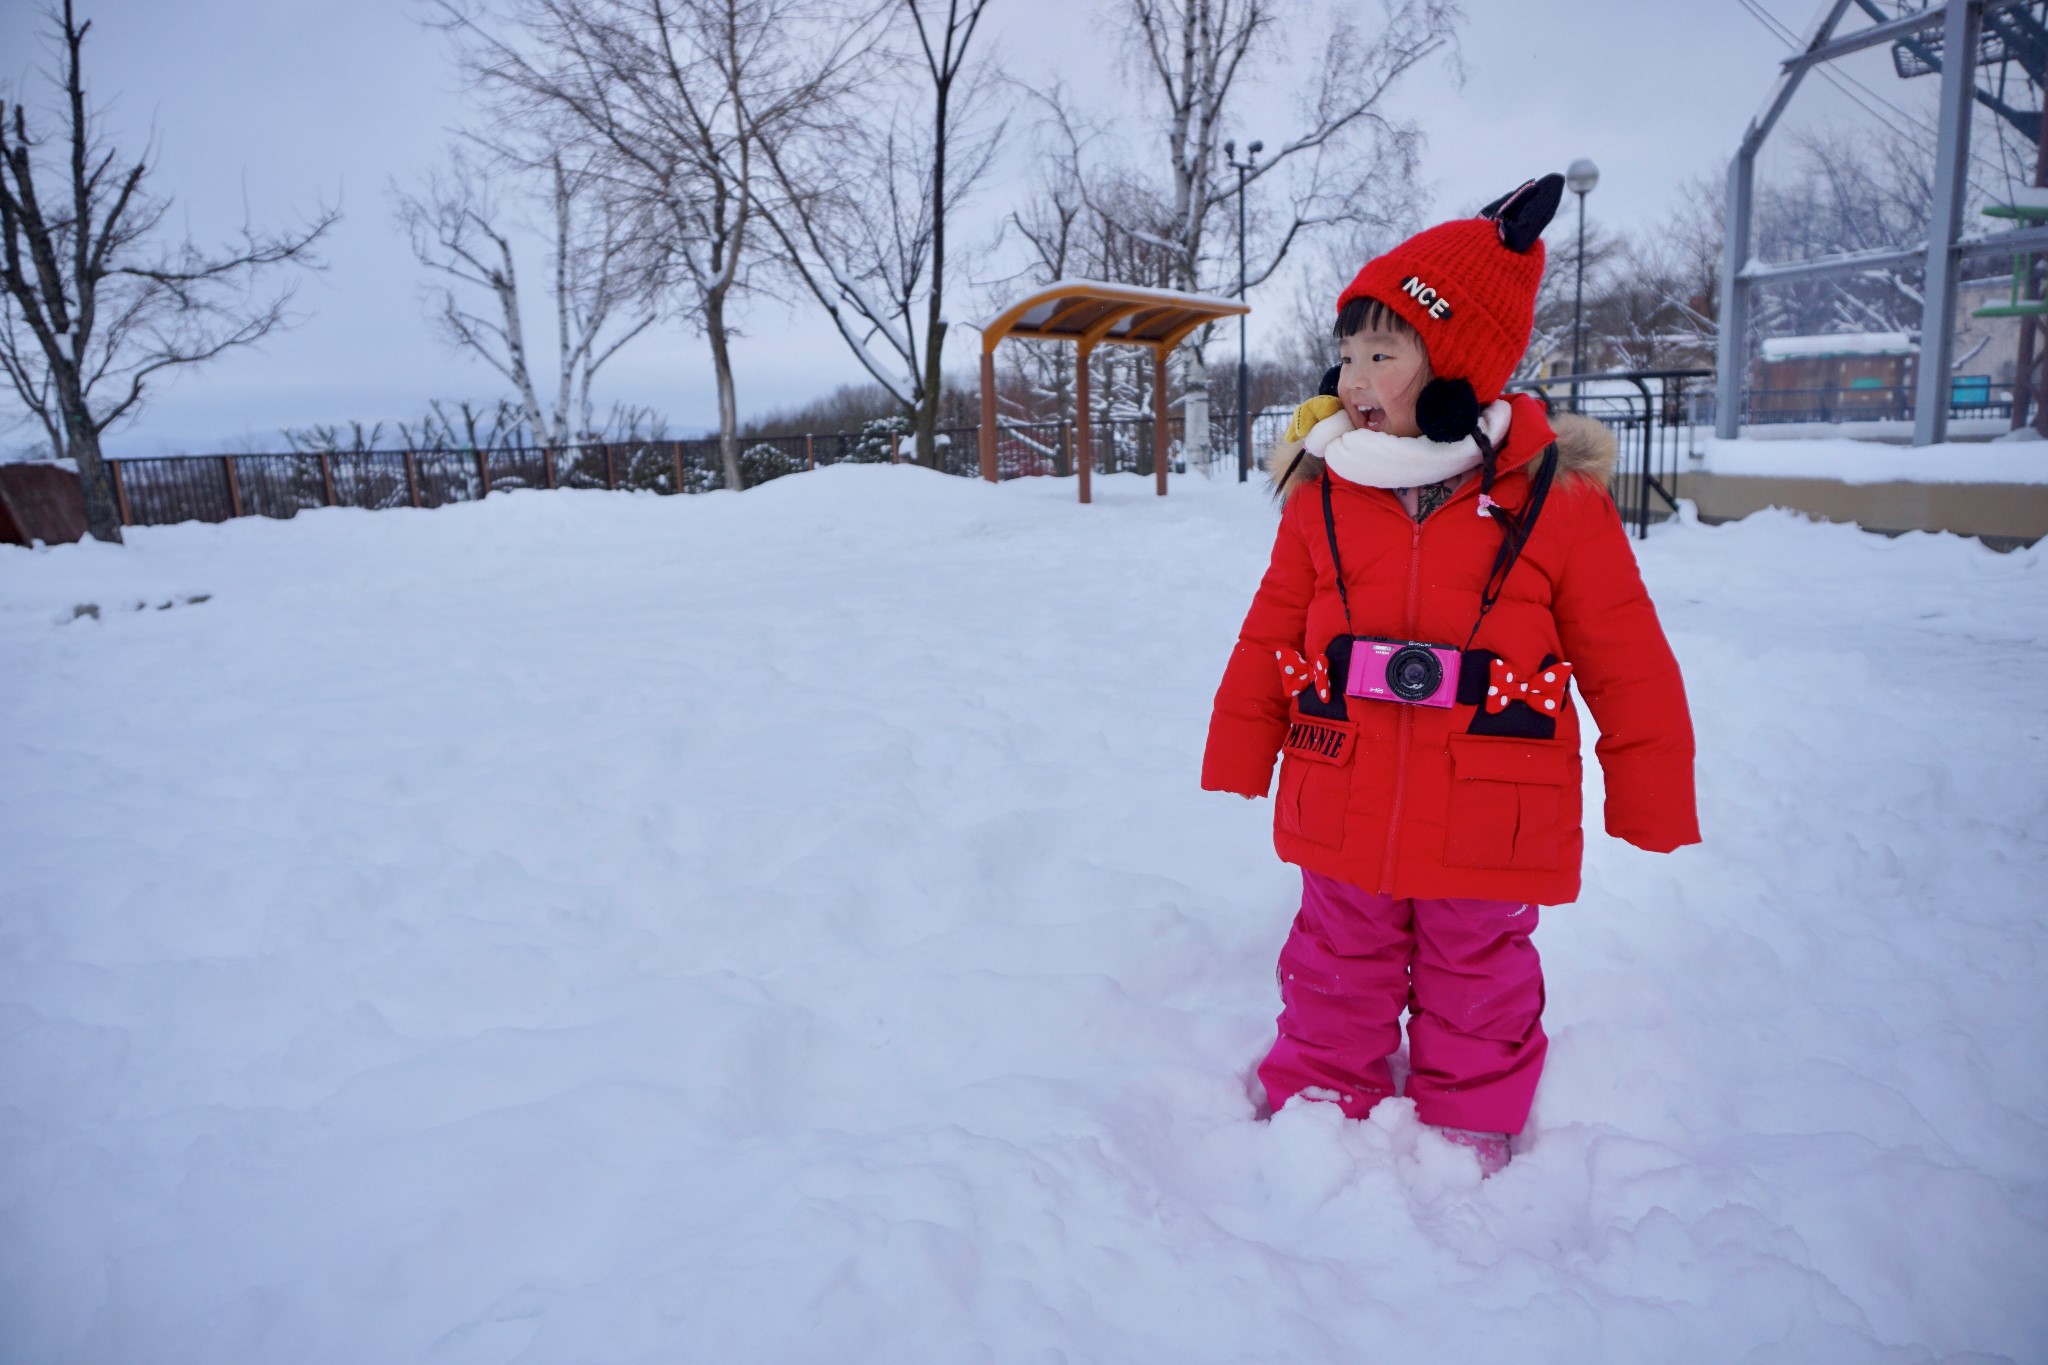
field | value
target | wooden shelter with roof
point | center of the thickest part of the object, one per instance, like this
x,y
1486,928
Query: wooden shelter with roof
x,y
1090,313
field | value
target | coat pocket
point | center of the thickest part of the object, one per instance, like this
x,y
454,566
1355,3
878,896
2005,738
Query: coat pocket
x,y
1315,779
1507,803
1312,800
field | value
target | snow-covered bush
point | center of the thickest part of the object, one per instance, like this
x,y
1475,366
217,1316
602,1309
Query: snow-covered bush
x,y
759,464
877,439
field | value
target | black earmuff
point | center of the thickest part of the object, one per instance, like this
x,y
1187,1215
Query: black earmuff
x,y
1447,410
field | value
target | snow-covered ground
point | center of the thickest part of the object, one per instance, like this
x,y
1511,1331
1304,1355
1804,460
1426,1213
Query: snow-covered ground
x,y
785,927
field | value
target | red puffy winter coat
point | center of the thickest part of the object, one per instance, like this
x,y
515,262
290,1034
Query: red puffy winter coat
x,y
1438,802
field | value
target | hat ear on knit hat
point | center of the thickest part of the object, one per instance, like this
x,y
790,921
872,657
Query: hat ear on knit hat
x,y
1468,288
1524,212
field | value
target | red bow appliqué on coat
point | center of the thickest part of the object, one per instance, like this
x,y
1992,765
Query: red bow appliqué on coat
x,y
1542,690
1297,673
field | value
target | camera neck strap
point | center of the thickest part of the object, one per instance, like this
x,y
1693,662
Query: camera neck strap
x,y
1515,532
1336,559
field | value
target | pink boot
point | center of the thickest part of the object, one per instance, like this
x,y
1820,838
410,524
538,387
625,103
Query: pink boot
x,y
1490,1148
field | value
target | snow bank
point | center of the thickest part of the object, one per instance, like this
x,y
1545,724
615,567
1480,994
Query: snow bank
x,y
602,928
1887,431
1852,461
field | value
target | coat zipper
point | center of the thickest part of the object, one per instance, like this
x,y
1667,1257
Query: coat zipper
x,y
1407,716
1407,727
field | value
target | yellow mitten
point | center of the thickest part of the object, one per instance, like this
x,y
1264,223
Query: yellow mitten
x,y
1309,413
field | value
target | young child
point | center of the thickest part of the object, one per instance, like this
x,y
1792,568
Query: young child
x,y
1431,795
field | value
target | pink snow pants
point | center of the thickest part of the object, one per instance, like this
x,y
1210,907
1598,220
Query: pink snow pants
x,y
1463,969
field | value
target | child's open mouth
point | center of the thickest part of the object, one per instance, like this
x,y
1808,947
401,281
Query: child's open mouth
x,y
1372,419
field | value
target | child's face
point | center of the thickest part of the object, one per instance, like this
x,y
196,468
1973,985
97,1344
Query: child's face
x,y
1382,374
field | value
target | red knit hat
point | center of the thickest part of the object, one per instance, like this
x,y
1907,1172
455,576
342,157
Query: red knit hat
x,y
1468,287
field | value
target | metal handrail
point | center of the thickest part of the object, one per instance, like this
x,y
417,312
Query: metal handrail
x,y
1659,411
1610,374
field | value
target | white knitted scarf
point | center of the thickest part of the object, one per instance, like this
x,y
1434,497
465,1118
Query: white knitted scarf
x,y
1378,459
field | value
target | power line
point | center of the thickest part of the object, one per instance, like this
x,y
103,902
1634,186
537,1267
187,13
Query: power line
x,y
1777,27
1836,78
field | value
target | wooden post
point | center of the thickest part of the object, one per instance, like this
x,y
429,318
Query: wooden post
x,y
895,447
611,472
327,475
483,473
810,452
1084,450
121,492
227,462
412,478
1159,415
676,450
547,459
988,415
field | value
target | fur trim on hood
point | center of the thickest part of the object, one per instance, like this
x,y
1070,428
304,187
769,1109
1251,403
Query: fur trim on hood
x,y
1585,450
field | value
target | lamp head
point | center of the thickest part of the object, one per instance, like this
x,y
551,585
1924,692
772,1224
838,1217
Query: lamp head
x,y
1581,176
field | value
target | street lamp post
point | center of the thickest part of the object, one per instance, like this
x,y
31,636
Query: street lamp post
x,y
1581,176
1244,386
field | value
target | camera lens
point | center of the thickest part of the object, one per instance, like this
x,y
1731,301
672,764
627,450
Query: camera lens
x,y
1414,673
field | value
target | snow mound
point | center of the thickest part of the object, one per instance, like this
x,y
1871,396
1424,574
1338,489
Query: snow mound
x,y
784,926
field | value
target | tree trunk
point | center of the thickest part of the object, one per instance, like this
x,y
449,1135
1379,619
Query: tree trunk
x,y
82,444
102,513
728,404
935,327
926,419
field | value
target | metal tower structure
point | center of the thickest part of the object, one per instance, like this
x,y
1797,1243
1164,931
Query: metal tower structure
x,y
1997,33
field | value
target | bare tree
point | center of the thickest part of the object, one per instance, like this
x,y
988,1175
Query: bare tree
x,y
603,274
1649,317
93,308
472,426
1035,379
329,438
862,209
680,97
1307,345
1340,160
1073,230
1850,191
1652,298
1550,339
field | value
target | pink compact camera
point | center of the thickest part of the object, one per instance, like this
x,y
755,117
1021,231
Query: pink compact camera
x,y
1403,671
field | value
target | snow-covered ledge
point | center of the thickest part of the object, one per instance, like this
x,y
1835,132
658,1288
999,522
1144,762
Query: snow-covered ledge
x,y
1997,489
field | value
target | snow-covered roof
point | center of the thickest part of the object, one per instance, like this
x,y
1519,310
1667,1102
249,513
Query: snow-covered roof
x,y
1840,343
1078,285
1092,311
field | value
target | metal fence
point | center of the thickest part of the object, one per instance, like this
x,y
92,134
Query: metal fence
x,y
160,490
1651,411
1888,403
156,491
1654,415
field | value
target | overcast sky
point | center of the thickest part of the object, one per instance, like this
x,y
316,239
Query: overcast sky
x,y
276,106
